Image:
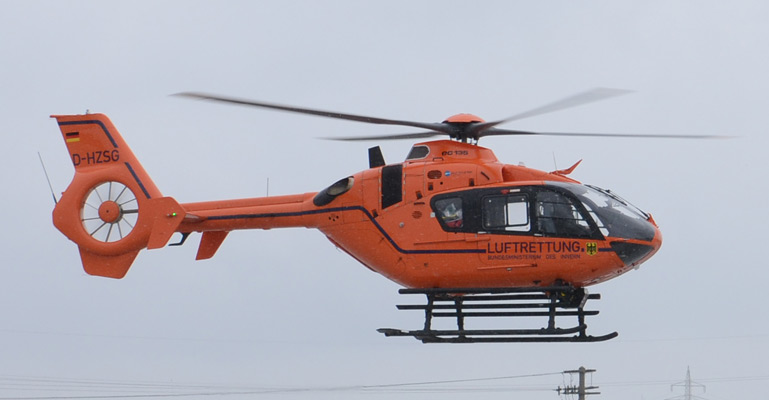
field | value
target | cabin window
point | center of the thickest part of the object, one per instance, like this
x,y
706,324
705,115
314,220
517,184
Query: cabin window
x,y
509,213
418,152
450,212
328,194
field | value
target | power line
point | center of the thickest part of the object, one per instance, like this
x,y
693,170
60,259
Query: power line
x,y
706,380
133,390
466,380
65,389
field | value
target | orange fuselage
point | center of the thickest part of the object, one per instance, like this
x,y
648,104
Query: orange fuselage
x,y
450,216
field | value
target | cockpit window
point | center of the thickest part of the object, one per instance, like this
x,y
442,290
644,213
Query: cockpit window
x,y
613,215
450,212
622,205
557,215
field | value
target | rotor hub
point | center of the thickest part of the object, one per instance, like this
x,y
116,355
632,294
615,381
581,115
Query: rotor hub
x,y
110,212
463,119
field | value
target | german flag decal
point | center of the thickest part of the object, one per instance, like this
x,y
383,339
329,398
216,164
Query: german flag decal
x,y
73,137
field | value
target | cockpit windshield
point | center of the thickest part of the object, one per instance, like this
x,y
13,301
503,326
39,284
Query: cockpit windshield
x,y
614,216
555,209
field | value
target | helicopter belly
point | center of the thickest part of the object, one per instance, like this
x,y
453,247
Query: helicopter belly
x,y
428,262
365,243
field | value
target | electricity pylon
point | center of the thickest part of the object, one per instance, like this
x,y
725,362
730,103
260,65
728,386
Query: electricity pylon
x,y
688,384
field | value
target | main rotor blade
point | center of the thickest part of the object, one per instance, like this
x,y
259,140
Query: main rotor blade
x,y
321,113
397,136
501,132
576,100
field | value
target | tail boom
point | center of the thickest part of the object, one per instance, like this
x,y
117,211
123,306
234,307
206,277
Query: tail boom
x,y
257,213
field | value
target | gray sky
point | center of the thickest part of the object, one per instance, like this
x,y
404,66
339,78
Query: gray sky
x,y
283,308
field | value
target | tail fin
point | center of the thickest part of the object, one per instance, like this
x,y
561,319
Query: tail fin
x,y
111,209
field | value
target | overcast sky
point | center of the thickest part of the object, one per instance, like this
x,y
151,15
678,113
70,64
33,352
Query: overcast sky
x,y
285,310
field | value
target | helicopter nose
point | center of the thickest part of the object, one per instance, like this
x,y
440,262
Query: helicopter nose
x,y
657,241
634,253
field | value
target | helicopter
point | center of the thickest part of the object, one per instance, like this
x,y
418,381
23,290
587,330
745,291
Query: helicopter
x,y
479,238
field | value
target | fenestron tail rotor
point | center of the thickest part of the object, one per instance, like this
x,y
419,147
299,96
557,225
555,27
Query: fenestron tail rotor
x,y
109,212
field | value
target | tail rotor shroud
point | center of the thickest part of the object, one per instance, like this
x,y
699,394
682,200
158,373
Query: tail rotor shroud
x,y
111,209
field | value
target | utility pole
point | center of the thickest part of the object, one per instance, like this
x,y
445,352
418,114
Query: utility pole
x,y
582,390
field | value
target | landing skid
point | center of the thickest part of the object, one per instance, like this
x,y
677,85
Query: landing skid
x,y
489,304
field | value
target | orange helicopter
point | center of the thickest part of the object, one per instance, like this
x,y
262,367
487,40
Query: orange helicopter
x,y
478,237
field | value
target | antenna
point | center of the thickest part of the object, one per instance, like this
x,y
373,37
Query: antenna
x,y
47,178
555,164
268,187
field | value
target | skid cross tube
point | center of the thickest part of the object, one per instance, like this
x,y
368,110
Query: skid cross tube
x,y
555,302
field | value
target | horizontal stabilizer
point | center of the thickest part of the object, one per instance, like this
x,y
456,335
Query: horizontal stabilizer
x,y
209,244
